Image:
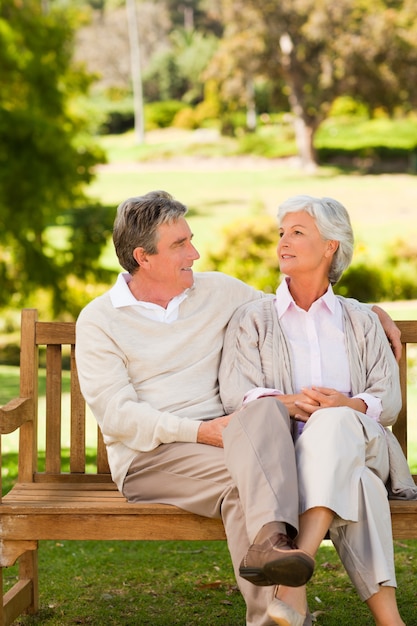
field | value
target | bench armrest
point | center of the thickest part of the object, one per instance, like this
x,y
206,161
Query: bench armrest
x,y
14,414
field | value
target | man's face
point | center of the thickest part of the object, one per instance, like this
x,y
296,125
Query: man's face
x,y
171,268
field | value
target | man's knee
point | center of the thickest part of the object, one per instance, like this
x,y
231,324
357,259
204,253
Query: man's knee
x,y
268,408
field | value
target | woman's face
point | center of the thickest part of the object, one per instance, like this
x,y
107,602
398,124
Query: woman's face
x,y
301,248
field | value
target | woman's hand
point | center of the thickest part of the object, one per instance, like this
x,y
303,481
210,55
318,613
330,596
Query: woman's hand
x,y
322,398
295,403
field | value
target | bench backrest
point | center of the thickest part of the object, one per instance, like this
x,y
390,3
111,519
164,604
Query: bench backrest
x,y
58,341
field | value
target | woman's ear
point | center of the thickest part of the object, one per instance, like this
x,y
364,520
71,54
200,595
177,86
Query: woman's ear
x,y
332,245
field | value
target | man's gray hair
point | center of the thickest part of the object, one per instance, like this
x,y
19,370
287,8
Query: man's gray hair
x,y
137,221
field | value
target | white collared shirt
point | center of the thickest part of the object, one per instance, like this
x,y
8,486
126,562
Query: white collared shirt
x,y
317,343
121,296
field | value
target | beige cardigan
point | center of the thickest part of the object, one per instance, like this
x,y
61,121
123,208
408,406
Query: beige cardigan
x,y
256,354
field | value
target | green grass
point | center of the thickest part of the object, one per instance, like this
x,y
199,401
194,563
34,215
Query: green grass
x,y
185,583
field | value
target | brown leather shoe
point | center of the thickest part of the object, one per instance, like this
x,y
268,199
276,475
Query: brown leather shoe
x,y
277,561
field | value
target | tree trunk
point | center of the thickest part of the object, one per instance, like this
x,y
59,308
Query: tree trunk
x,y
304,131
304,136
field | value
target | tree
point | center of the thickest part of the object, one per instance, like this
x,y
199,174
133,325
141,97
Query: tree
x,y
318,50
46,160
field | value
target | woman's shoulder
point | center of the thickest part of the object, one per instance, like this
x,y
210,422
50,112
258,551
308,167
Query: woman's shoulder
x,y
358,312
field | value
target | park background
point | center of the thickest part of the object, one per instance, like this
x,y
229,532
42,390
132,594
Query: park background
x,y
231,106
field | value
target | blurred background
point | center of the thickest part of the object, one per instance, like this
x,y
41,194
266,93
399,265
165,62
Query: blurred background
x,y
230,105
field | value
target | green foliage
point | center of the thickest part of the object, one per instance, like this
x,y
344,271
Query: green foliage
x,y
248,252
162,114
46,159
379,137
365,282
270,142
162,80
346,106
176,74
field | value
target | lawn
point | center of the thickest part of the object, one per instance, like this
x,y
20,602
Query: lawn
x,y
185,584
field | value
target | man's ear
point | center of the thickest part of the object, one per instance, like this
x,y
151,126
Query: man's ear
x,y
140,256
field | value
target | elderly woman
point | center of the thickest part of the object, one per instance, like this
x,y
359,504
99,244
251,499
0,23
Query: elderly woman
x,y
328,360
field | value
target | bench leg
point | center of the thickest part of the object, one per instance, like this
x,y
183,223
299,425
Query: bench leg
x,y
23,597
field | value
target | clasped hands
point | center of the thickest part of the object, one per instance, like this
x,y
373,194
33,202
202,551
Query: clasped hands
x,y
304,404
300,406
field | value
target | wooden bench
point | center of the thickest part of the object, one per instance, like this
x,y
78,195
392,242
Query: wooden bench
x,y
79,504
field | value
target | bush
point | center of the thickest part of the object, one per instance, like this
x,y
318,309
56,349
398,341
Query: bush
x,y
248,252
186,118
364,282
162,114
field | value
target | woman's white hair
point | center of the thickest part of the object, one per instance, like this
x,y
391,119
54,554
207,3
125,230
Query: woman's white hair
x,y
332,221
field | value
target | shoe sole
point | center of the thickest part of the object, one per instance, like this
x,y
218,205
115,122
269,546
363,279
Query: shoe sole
x,y
293,571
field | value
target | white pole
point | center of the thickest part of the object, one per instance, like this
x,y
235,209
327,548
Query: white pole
x,y
136,71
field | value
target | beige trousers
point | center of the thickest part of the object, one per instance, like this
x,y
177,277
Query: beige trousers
x,y
342,463
248,483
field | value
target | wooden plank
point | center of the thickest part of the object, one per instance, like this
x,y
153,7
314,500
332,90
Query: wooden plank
x,y
28,438
408,330
400,427
102,460
55,333
404,519
84,526
16,601
77,451
53,408
62,479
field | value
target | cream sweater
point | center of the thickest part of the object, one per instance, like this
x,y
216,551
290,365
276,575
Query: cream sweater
x,y
148,382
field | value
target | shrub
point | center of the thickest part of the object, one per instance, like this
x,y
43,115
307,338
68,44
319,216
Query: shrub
x,y
186,118
248,252
162,114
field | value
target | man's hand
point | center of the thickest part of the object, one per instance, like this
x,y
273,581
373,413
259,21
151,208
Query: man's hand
x,y
392,331
211,431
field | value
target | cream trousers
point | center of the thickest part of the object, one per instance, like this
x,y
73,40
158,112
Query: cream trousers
x,y
342,464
